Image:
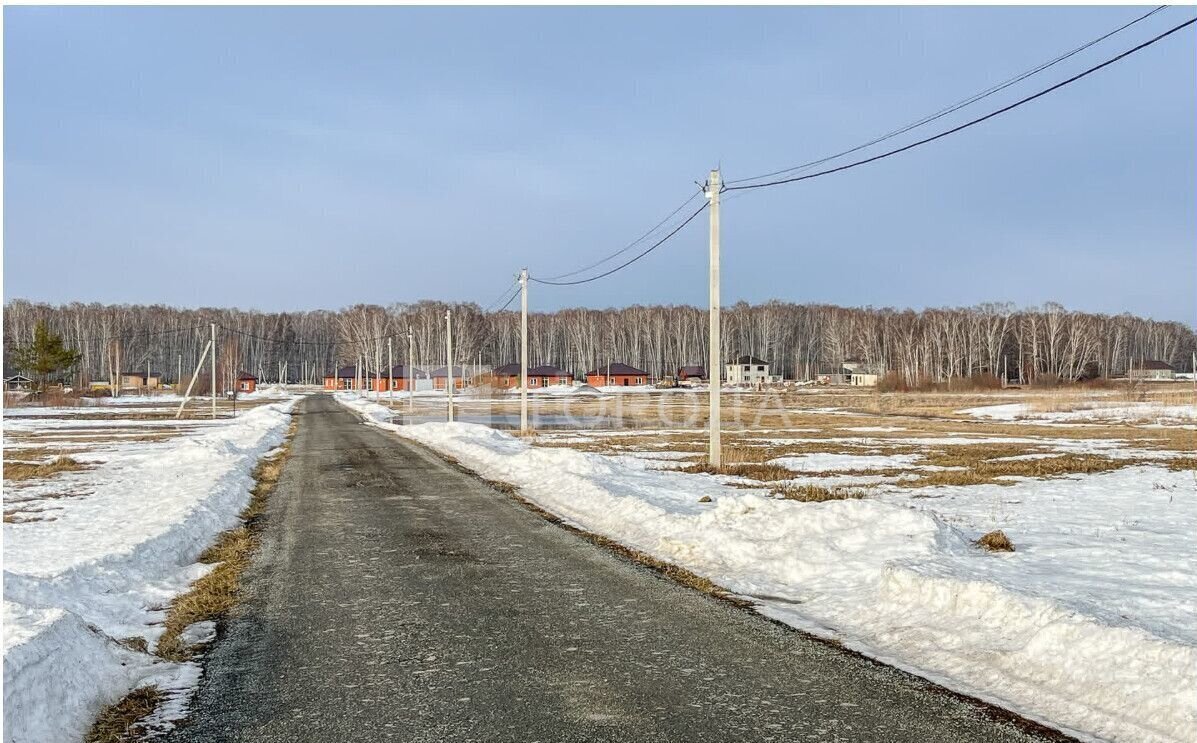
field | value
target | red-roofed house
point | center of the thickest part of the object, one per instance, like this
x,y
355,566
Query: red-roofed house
x,y
617,375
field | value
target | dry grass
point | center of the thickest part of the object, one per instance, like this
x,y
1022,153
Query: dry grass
x,y
213,595
1182,464
979,470
123,721
759,472
18,471
817,493
503,487
995,541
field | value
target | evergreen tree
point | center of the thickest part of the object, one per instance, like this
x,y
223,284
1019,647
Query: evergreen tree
x,y
46,356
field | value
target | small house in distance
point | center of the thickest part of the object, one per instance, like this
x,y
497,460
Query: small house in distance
x,y
1151,369
860,374
748,370
440,378
548,375
505,377
150,380
693,373
616,375
246,382
346,378
17,383
401,377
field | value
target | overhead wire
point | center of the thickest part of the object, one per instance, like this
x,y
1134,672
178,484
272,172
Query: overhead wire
x,y
963,103
627,263
973,122
627,247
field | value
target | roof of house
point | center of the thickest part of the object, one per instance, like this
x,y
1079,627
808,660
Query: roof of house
x,y
401,370
507,370
1152,364
246,375
17,378
547,370
140,373
350,372
748,360
443,372
622,369
693,371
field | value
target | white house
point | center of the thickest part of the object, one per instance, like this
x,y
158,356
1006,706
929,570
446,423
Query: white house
x,y
749,370
1150,369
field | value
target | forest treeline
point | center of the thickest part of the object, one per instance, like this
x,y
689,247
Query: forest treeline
x,y
800,340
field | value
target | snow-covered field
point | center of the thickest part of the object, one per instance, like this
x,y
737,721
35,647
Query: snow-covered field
x,y
1090,625
92,557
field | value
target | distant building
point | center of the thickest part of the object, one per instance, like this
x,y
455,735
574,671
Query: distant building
x,y
440,378
748,370
17,383
401,377
548,376
137,379
246,382
1150,370
692,374
347,378
616,375
505,377
860,374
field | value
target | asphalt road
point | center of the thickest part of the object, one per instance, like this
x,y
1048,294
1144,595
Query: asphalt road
x,y
398,598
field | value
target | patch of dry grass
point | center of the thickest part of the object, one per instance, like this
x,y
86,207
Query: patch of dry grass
x,y
123,722
981,470
752,471
817,493
1182,464
213,595
995,541
18,471
503,487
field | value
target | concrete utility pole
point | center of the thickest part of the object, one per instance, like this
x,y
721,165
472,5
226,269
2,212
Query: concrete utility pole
x,y
179,378
390,375
716,452
213,370
199,367
524,351
411,372
449,358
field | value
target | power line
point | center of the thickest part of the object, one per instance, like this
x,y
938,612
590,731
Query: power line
x,y
955,106
501,297
136,335
625,264
625,248
507,303
974,122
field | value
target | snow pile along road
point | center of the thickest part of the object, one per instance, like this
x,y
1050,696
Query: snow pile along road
x,y
116,552
892,581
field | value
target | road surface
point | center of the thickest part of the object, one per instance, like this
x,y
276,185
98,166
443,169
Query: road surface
x,y
398,598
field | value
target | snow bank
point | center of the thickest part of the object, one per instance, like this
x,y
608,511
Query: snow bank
x,y
1125,413
92,575
901,584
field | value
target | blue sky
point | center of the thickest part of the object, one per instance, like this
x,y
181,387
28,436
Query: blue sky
x,y
297,158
